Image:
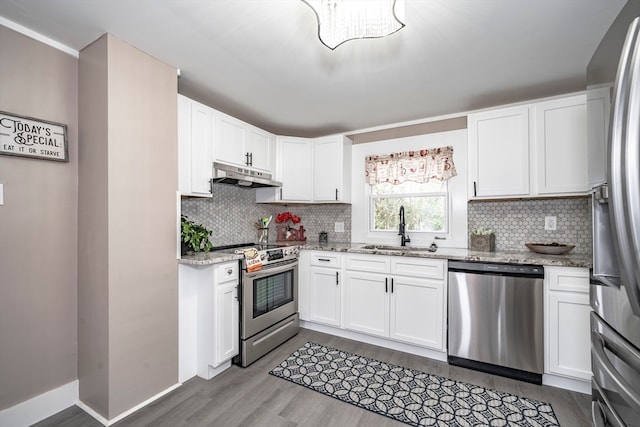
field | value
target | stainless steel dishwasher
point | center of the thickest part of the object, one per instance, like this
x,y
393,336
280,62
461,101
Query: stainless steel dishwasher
x,y
496,319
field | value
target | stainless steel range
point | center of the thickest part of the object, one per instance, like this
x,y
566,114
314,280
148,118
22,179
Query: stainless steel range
x,y
269,300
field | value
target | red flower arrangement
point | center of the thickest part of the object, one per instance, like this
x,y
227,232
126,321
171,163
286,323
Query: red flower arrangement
x,y
285,231
286,217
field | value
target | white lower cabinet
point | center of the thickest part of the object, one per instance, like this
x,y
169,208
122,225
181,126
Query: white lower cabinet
x,y
324,290
367,303
417,313
208,319
567,331
404,300
227,322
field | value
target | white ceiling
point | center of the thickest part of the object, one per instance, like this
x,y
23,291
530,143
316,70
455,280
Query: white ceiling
x,y
261,61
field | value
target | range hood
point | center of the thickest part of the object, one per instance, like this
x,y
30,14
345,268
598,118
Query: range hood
x,y
241,177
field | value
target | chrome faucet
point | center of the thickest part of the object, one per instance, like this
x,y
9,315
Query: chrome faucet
x,y
404,238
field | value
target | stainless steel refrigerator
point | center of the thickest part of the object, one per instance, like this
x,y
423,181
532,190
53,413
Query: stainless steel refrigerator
x,y
613,94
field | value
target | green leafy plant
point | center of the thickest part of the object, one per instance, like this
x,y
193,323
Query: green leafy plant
x,y
195,236
481,231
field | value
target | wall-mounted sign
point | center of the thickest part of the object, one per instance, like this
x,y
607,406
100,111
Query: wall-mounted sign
x,y
29,137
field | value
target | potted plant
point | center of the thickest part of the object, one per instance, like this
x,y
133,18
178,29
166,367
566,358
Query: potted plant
x,y
194,237
482,239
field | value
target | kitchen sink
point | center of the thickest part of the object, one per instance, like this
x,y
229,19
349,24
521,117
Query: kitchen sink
x,y
397,248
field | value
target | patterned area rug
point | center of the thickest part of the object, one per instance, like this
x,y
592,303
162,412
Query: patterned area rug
x,y
412,397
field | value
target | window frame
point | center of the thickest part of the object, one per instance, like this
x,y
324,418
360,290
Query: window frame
x,y
447,219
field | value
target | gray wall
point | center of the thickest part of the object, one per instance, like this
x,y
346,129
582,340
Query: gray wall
x,y
38,227
128,274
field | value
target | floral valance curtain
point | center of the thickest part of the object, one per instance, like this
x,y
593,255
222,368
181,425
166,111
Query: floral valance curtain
x,y
417,166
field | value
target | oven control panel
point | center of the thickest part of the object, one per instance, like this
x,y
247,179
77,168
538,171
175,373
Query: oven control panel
x,y
281,253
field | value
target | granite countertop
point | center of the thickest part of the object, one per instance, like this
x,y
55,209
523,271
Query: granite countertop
x,y
523,257
207,258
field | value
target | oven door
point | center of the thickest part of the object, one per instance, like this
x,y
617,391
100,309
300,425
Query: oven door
x,y
616,377
268,296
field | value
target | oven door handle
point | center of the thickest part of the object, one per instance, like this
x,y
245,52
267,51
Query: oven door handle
x,y
272,270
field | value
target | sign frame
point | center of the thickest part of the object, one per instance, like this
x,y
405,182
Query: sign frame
x,y
33,138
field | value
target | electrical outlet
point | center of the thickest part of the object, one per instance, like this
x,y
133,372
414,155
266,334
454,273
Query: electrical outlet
x,y
339,227
550,223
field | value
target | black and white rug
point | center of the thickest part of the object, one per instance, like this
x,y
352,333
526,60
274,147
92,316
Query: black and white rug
x,y
407,395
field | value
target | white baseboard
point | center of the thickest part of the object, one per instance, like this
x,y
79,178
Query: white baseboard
x,y
40,407
581,386
394,345
47,404
102,420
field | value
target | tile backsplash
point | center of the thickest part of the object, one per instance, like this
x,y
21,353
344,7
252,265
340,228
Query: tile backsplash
x,y
518,222
232,212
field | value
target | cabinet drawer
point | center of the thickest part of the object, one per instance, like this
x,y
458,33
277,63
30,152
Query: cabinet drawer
x,y
368,263
567,279
325,259
426,268
227,272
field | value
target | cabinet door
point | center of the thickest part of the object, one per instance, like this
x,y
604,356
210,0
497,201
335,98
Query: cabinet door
x,y
367,303
260,146
230,140
561,145
417,311
195,142
227,322
569,336
295,167
324,296
327,169
499,153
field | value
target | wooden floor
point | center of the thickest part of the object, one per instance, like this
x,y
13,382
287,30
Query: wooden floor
x,y
252,397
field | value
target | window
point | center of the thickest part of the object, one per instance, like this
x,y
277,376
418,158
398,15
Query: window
x,y
425,206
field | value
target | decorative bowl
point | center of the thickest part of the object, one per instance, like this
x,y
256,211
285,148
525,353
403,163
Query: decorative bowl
x,y
549,248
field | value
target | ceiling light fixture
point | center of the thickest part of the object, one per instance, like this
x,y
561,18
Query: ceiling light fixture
x,y
343,20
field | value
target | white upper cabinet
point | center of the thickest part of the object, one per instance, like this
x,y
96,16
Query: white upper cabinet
x,y
598,107
195,147
242,144
294,168
261,147
538,149
229,140
561,145
312,170
499,153
332,169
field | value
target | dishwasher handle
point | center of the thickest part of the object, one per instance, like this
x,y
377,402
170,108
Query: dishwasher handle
x,y
497,269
